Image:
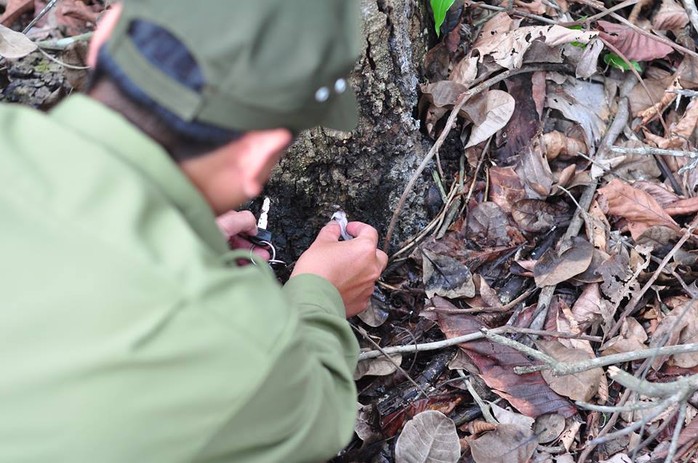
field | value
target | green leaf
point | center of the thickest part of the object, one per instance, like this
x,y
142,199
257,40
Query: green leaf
x,y
440,8
617,62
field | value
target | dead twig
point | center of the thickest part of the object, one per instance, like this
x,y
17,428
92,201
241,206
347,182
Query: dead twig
x,y
566,368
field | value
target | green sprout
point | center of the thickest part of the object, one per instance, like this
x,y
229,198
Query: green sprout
x,y
440,8
617,62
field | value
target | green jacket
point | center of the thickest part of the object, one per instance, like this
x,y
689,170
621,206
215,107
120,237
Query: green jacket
x,y
127,332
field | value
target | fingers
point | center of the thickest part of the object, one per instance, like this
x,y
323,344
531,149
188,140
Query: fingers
x,y
237,242
235,222
382,259
363,230
330,232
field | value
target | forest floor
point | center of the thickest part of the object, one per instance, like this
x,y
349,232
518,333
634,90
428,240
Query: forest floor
x,y
548,313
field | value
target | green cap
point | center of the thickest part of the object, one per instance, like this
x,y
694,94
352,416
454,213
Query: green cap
x,y
265,63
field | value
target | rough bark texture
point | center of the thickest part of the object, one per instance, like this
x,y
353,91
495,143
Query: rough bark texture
x,y
363,172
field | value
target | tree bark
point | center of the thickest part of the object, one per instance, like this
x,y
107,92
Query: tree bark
x,y
363,172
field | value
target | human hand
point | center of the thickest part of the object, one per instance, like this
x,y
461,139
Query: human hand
x,y
351,266
235,225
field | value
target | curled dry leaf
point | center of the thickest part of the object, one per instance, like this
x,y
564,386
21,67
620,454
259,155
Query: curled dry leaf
x,y
558,144
490,113
587,65
508,443
379,366
632,44
429,437
579,386
556,266
13,44
637,207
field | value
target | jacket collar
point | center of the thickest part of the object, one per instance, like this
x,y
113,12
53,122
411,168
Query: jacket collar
x,y
96,122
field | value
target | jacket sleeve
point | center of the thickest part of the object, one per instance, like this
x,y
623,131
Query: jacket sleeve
x,y
304,409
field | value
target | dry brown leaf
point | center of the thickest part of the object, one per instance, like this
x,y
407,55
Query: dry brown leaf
x,y
534,170
508,443
13,44
556,266
496,26
505,416
558,144
589,307
637,207
660,193
631,338
445,276
489,112
683,206
429,437
538,216
506,187
548,427
679,327
687,125
579,386
583,102
507,48
465,71
487,225
528,393
670,16
615,272
642,97
632,44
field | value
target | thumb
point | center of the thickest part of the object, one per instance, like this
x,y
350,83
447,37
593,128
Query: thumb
x,y
329,232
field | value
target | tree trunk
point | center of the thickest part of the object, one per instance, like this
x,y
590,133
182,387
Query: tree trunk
x,y
363,172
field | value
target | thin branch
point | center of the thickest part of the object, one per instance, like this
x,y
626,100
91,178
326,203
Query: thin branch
x,y
566,368
654,151
426,346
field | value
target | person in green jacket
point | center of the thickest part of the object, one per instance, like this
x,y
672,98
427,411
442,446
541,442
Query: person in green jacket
x,y
129,331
